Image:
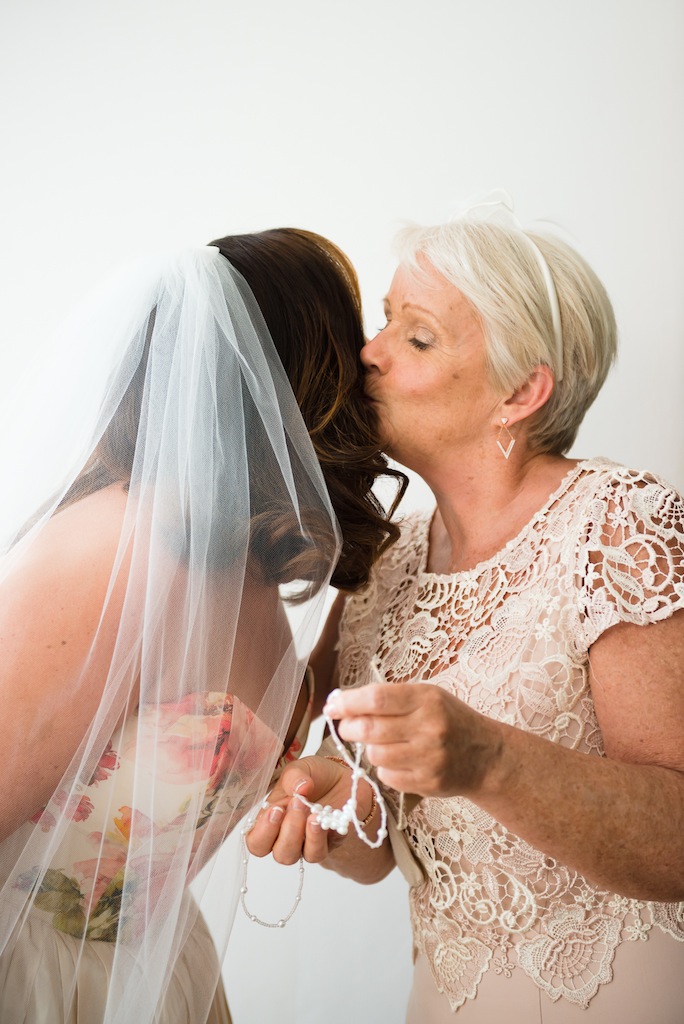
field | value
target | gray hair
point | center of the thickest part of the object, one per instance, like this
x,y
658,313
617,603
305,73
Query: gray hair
x,y
499,272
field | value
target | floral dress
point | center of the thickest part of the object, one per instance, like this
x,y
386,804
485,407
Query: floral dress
x,y
511,638
206,735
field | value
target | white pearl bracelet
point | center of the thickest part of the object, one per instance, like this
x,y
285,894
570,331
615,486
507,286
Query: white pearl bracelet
x,y
244,889
339,820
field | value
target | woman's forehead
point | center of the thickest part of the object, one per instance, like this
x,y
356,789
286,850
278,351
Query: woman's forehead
x,y
425,292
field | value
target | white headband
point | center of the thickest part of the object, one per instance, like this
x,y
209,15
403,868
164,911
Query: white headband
x,y
553,303
498,207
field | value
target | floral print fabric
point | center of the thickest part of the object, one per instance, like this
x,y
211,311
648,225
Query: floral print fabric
x,y
192,744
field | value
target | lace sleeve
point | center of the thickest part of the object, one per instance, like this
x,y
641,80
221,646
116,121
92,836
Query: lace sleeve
x,y
631,557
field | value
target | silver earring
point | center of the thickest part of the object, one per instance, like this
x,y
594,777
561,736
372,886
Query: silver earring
x,y
508,437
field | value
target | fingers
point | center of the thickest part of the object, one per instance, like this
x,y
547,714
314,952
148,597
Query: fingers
x,y
284,827
263,836
375,714
289,831
288,845
370,729
416,719
387,714
414,735
381,699
403,782
318,842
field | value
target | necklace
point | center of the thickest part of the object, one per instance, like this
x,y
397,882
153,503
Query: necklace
x,y
244,890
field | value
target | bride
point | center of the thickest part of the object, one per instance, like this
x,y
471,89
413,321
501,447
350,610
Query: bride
x,y
150,675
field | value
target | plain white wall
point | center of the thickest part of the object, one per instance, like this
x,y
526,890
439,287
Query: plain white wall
x,y
151,123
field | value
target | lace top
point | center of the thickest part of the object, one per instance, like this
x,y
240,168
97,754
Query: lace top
x,y
511,638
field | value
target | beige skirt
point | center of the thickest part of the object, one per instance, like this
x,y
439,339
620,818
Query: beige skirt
x,y
36,978
647,988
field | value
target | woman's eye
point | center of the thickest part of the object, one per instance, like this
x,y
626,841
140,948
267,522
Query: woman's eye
x,y
418,344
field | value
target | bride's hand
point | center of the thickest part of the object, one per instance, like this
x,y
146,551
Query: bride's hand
x,y
286,827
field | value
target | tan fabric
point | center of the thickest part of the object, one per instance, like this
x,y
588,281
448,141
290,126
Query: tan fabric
x,y
647,987
35,976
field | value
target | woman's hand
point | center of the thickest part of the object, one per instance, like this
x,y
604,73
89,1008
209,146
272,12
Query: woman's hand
x,y
421,738
286,827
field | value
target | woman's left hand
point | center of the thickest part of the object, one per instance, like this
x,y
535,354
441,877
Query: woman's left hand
x,y
420,738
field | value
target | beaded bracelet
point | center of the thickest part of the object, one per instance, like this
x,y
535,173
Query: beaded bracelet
x,y
374,802
339,820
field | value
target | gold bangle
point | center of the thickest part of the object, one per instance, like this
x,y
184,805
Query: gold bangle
x,y
374,802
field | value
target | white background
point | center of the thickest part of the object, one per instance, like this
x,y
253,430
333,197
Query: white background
x,y
142,124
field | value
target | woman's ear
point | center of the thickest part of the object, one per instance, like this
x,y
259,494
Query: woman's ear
x,y
534,393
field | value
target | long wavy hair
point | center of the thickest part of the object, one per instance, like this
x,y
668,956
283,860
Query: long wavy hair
x,y
309,296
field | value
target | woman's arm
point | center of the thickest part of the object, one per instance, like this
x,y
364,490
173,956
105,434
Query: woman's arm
x,y
323,666
285,828
618,820
297,715
323,660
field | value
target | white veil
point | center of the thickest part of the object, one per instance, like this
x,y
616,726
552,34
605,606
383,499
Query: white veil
x,y
189,431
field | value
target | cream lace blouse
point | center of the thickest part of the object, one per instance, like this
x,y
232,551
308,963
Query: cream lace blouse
x,y
511,638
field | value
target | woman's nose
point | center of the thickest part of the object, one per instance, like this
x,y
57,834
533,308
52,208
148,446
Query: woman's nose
x,y
371,353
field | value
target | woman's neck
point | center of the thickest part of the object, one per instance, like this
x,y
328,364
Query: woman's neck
x,y
483,505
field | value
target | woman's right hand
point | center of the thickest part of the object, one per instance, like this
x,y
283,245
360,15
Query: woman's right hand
x,y
287,829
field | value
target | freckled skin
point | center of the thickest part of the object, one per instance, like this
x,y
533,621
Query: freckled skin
x,y
426,372
50,608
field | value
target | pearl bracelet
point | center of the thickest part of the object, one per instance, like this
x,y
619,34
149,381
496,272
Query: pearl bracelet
x,y
374,802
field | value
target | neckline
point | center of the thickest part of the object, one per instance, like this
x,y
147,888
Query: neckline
x,y
563,487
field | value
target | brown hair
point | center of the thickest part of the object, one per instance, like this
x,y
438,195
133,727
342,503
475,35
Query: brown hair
x,y
308,293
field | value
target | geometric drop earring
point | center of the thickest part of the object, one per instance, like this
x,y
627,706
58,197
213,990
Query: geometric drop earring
x,y
508,437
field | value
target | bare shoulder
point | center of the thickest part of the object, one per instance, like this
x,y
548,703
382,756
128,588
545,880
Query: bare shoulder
x,y
60,582
50,609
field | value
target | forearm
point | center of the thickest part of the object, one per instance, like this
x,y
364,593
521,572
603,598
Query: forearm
x,y
323,660
621,825
298,714
617,820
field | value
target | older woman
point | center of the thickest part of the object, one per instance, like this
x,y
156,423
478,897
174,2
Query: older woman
x,y
527,642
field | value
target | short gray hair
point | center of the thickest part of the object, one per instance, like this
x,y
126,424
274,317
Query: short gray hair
x,y
498,271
